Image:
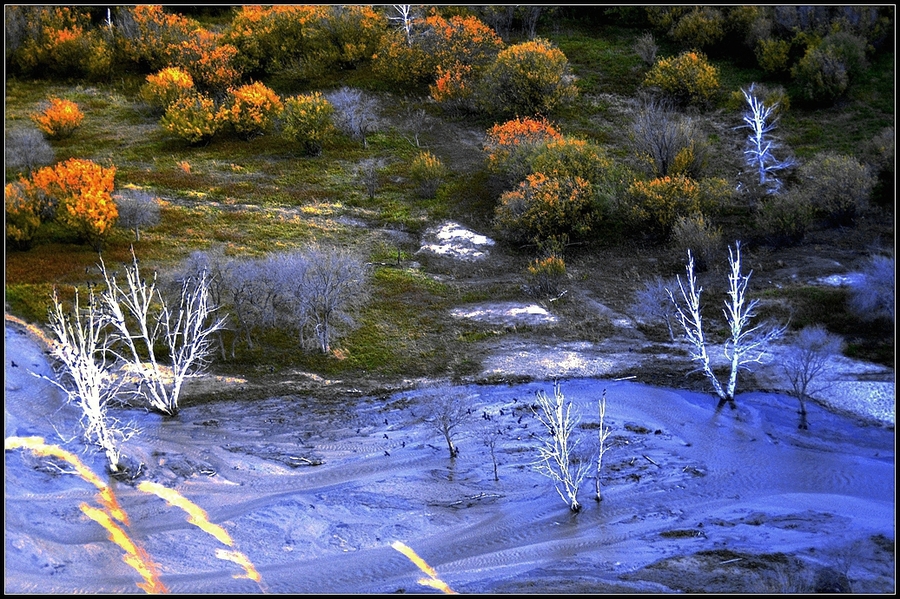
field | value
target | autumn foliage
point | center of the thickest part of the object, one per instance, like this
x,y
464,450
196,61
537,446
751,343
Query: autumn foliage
x,y
509,146
252,109
688,78
194,118
657,204
78,193
545,209
59,119
22,216
530,78
307,119
166,86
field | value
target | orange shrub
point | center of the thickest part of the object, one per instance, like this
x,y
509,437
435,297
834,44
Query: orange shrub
x,y
82,190
453,87
545,209
210,61
511,145
59,119
252,109
148,36
166,86
193,118
22,216
48,39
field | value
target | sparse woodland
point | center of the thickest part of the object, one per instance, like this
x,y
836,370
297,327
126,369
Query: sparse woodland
x,y
288,156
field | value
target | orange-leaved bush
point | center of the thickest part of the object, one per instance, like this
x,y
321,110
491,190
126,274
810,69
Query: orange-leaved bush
x,y
166,86
22,216
252,109
308,120
193,117
509,146
688,78
82,191
545,209
529,78
59,119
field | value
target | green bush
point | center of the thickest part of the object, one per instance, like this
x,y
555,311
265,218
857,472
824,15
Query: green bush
x,y
569,157
428,172
782,219
530,78
703,27
838,186
826,71
307,119
688,78
773,55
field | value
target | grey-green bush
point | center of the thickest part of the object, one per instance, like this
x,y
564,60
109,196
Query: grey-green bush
x,y
27,150
838,186
873,297
782,219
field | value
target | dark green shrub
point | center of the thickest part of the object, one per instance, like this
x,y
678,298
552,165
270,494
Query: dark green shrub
x,y
703,27
838,186
826,71
782,219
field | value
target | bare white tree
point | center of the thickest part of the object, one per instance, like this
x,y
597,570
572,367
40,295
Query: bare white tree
x,y
805,364
404,18
761,145
142,318
86,374
746,344
603,433
557,449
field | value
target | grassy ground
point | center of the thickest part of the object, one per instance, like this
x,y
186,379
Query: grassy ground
x,y
261,196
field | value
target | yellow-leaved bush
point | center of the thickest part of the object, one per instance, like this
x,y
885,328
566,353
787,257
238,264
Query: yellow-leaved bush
x,y
688,78
59,119
81,191
543,209
166,86
655,205
22,216
308,120
192,117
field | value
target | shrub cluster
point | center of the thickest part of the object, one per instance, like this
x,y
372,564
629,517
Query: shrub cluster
x,y
76,193
688,78
307,120
59,119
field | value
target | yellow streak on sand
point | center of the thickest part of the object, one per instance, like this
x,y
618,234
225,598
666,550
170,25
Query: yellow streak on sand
x,y
433,580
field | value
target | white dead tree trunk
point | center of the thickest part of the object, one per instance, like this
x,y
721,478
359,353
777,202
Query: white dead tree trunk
x,y
86,374
603,433
404,18
557,448
141,318
760,144
745,345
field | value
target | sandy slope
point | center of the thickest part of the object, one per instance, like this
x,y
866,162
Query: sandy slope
x,y
314,492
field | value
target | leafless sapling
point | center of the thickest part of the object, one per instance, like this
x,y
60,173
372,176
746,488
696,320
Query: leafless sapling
x,y
805,363
746,344
490,436
761,144
137,209
652,303
557,447
603,433
445,413
355,113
